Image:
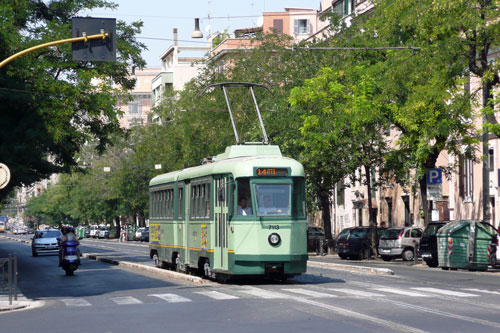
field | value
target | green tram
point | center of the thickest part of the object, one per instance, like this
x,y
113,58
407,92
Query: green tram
x,y
242,213
199,219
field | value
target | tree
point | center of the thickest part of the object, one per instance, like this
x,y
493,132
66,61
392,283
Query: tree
x,y
342,131
50,104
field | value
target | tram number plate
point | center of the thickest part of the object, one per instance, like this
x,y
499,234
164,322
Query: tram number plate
x,y
274,227
271,172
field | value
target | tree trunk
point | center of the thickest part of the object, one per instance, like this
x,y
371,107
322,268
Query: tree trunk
x,y
371,213
422,181
325,213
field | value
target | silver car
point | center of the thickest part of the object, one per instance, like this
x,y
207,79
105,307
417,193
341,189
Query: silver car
x,y
45,241
399,242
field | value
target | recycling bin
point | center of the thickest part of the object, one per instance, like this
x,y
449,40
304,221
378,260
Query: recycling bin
x,y
464,244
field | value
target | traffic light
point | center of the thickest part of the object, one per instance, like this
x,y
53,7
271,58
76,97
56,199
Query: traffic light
x,y
100,49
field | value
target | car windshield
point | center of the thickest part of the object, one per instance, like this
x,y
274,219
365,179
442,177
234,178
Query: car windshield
x,y
391,233
273,199
50,234
432,229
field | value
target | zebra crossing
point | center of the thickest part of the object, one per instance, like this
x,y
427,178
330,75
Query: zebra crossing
x,y
287,292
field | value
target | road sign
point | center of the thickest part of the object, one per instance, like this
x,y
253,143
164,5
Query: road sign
x,y
94,49
434,176
4,175
434,184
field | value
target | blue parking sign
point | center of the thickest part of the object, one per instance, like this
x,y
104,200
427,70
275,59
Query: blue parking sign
x,y
434,176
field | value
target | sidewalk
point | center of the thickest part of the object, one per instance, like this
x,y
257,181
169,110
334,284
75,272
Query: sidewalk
x,y
22,303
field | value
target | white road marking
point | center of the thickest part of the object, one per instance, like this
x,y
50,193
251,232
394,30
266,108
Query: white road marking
x,y
356,292
75,302
446,292
216,295
402,292
126,300
171,298
263,293
310,293
482,291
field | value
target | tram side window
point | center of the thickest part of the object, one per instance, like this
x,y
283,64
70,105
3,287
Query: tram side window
x,y
298,197
169,204
200,201
180,203
245,206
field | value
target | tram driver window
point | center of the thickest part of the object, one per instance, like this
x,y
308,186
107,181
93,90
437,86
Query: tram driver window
x,y
273,199
244,197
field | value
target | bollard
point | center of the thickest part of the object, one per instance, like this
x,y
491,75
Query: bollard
x,y
415,258
321,247
9,273
15,276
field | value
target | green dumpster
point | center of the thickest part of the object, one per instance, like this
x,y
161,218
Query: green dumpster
x,y
80,232
464,244
131,228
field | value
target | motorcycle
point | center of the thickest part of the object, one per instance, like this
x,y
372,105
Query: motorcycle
x,y
70,257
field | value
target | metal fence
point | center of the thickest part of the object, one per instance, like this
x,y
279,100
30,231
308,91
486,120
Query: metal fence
x,y
8,279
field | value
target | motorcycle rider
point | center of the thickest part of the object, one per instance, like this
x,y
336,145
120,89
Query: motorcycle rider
x,y
68,235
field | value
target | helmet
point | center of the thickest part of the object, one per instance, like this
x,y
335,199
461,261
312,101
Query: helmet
x,y
64,229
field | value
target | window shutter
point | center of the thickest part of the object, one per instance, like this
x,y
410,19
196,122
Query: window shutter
x,y
296,26
278,26
461,177
308,25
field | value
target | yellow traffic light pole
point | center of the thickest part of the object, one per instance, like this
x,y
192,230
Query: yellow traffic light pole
x,y
84,38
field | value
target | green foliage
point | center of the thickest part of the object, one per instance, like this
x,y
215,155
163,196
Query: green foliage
x,y
50,104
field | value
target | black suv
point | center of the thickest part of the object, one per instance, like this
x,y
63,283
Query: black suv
x,y
355,243
428,243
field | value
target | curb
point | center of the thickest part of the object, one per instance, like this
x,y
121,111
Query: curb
x,y
351,268
155,270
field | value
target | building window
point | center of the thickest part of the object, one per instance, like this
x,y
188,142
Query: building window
x,y
278,26
465,174
302,26
134,108
491,159
135,122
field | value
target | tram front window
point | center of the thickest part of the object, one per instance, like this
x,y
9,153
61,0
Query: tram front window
x,y
273,199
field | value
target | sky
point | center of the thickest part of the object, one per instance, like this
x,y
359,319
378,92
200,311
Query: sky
x,y
161,16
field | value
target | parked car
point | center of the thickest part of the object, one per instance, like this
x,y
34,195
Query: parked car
x,y
316,237
138,234
87,232
145,235
428,243
103,233
399,242
355,243
45,241
30,230
94,231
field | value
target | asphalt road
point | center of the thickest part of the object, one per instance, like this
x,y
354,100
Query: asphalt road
x,y
106,298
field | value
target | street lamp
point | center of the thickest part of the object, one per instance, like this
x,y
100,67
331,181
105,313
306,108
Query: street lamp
x,y
197,33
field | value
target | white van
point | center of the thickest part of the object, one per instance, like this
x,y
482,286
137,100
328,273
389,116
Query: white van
x,y
94,231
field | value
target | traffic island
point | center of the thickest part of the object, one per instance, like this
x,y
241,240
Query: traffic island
x,y
150,269
350,268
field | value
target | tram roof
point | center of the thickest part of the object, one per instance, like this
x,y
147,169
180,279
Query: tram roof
x,y
239,160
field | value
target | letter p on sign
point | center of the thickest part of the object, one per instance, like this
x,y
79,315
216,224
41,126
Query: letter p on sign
x,y
434,176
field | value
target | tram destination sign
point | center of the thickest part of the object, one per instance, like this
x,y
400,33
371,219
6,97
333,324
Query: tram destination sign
x,y
271,172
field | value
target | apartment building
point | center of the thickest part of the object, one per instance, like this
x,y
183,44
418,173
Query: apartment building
x,y
180,64
136,111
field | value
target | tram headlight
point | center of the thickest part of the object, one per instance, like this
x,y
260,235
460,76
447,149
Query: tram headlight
x,y
274,239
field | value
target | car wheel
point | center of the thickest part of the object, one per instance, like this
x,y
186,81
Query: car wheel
x,y
34,253
343,256
432,263
386,258
407,255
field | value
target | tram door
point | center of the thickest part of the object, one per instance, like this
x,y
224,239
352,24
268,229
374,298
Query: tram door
x,y
221,221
